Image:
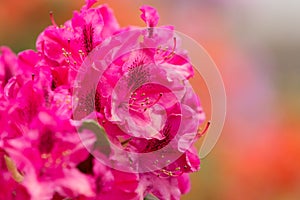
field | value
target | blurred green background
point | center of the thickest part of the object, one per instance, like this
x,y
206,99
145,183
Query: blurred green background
x,y
256,45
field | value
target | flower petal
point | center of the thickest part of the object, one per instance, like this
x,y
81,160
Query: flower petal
x,y
149,15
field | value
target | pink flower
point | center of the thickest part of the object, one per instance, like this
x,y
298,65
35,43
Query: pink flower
x,y
136,87
65,47
48,155
142,101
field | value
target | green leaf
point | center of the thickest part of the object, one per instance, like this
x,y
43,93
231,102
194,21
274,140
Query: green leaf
x,y
102,143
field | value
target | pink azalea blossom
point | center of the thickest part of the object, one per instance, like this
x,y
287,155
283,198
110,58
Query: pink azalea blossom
x,y
143,106
142,101
52,145
64,48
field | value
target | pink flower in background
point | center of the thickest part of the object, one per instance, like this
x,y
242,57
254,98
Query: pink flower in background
x,y
143,103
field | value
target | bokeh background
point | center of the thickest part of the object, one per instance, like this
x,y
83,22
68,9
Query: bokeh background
x,y
256,46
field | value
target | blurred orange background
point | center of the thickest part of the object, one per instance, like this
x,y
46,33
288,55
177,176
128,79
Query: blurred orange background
x,y
256,47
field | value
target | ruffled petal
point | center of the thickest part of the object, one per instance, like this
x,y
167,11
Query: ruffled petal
x,y
149,15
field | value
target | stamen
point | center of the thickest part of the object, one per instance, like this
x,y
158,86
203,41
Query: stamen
x,y
68,57
200,134
157,100
169,173
66,153
150,32
81,54
138,106
32,76
173,50
45,156
52,18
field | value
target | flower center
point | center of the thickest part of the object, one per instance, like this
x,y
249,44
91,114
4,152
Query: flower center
x,y
141,101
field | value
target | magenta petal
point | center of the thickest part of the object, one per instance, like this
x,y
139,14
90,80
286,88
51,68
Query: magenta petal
x,y
192,159
8,64
90,3
162,188
110,22
184,183
149,15
75,183
27,61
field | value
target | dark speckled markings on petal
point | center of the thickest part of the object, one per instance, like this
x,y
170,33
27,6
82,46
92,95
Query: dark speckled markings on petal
x,y
88,38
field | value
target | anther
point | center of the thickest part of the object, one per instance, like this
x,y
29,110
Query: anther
x,y
125,142
173,50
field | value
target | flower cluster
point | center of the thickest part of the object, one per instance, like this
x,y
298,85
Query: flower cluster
x,y
142,102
